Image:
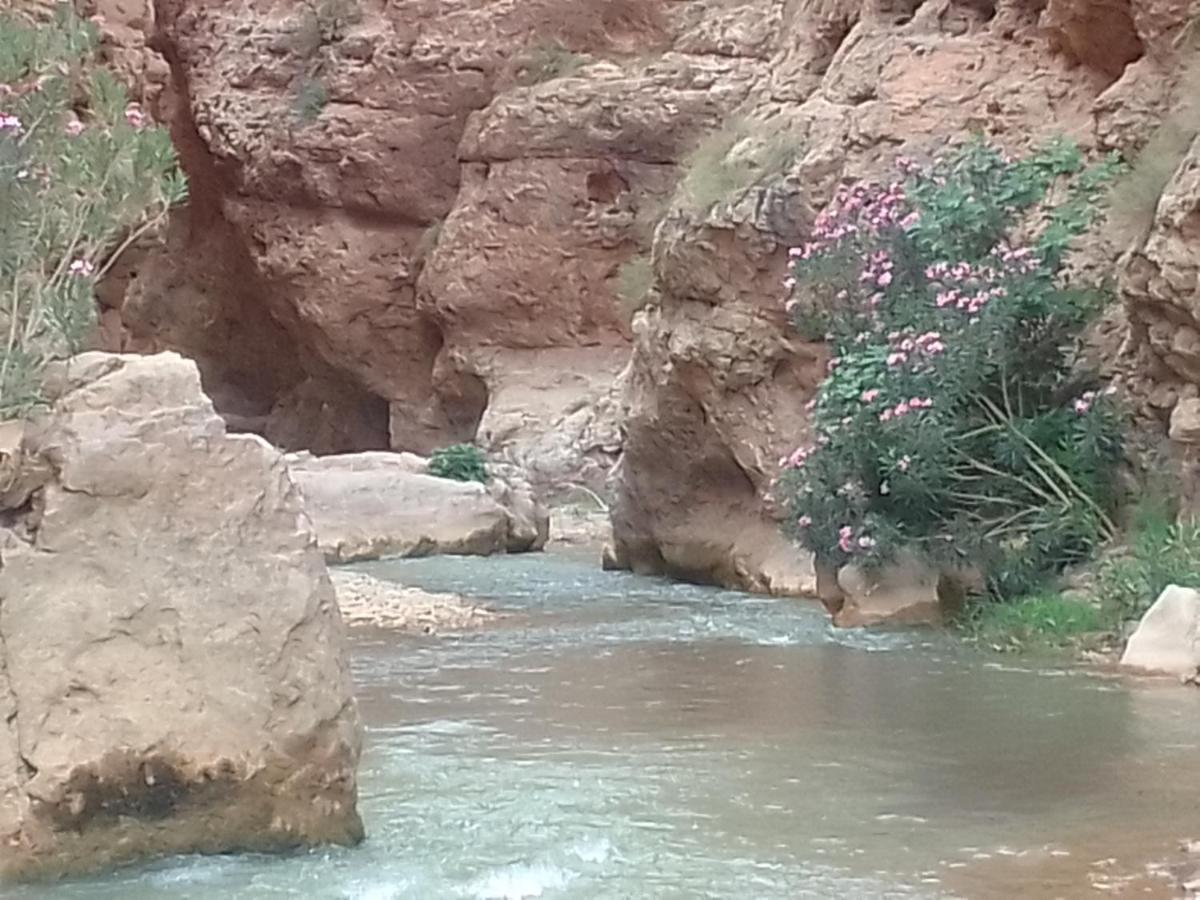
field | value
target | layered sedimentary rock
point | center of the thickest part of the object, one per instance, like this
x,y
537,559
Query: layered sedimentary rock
x,y
173,676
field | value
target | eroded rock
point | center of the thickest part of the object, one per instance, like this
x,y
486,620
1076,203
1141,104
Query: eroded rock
x,y
174,672
373,505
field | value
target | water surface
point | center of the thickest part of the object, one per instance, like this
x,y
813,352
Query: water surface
x,y
622,737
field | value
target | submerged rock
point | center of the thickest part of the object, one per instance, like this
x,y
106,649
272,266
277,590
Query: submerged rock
x,y
369,601
173,675
1167,640
373,505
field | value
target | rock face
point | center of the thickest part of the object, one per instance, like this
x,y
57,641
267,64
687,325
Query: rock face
x,y
174,677
372,505
1167,640
560,228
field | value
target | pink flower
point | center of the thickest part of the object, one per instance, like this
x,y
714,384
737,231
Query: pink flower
x,y
804,521
134,115
796,252
10,123
897,358
846,538
947,298
82,268
901,409
869,396
884,279
910,221
885,416
933,348
832,364
866,542
908,345
1082,406
74,128
920,402
875,299
904,463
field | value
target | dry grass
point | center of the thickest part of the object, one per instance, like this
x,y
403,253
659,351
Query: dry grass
x,y
729,161
1135,198
548,62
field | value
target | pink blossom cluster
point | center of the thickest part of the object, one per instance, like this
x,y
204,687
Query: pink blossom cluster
x,y
848,540
1023,259
797,458
81,268
904,407
907,165
862,208
879,269
134,115
1085,401
928,344
10,123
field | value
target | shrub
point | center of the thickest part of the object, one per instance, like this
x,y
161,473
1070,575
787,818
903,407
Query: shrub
x,y
953,424
311,97
635,278
83,175
460,462
1161,552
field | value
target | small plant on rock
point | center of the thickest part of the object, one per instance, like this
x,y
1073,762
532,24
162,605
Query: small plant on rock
x,y
460,462
83,175
953,424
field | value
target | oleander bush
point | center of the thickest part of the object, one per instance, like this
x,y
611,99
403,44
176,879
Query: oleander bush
x,y
83,175
954,423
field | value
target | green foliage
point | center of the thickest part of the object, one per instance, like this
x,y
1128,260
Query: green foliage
x,y
1038,621
953,423
460,462
635,278
548,62
311,97
1161,552
83,176
732,159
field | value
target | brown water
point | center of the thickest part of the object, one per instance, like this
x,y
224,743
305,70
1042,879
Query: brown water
x,y
627,738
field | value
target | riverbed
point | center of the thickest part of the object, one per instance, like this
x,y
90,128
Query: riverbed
x,y
626,737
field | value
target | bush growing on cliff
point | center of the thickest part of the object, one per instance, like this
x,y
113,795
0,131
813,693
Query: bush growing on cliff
x,y
953,423
83,175
460,462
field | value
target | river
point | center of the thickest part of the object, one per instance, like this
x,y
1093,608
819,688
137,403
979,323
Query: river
x,y
625,737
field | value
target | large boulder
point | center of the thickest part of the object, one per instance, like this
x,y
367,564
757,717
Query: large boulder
x,y
372,505
173,673
1167,640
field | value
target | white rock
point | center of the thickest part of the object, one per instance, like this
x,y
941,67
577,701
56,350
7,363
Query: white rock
x,y
1167,640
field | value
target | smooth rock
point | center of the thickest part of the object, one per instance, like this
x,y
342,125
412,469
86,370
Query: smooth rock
x,y
1167,640
905,592
174,677
372,505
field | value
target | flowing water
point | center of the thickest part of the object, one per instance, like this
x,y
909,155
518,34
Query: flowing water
x,y
622,737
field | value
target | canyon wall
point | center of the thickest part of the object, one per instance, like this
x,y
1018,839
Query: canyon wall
x,y
561,228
